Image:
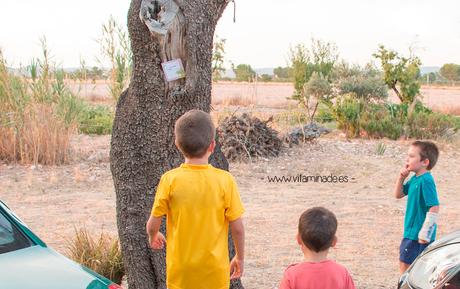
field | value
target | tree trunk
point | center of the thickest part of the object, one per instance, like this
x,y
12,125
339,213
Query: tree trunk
x,y
398,94
142,146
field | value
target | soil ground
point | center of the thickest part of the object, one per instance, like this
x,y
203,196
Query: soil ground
x,y
55,200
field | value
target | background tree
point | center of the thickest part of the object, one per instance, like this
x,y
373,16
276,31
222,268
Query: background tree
x,y
312,70
218,58
319,58
450,71
317,90
301,67
265,78
429,77
244,72
95,73
401,74
365,83
284,73
142,146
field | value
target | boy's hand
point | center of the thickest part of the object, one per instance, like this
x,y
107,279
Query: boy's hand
x,y
422,241
236,268
157,242
404,172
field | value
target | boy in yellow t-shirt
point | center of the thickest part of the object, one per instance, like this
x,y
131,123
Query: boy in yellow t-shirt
x,y
200,202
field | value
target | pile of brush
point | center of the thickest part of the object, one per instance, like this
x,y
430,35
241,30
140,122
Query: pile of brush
x,y
308,132
244,137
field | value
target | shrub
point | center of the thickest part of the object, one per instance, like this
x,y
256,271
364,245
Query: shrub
x,y
402,110
392,120
364,87
378,122
324,114
96,120
431,125
102,255
348,111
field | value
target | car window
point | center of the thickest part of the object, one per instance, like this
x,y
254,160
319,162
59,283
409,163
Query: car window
x,y
11,238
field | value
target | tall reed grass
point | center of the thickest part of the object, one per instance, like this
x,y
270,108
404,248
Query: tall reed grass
x,y
38,113
116,48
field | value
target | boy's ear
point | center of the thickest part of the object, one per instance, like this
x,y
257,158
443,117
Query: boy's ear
x,y
334,242
299,240
212,146
426,162
177,145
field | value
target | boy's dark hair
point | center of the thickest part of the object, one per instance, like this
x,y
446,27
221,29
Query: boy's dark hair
x,y
194,132
428,150
317,227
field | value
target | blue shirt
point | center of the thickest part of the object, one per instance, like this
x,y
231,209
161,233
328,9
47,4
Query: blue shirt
x,y
421,196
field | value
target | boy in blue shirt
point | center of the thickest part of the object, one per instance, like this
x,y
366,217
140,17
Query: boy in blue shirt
x,y
422,201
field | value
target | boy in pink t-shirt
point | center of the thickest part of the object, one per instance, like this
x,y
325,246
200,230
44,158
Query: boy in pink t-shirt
x,y
317,227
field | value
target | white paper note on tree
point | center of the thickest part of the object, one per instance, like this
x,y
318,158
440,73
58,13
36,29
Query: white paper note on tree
x,y
173,69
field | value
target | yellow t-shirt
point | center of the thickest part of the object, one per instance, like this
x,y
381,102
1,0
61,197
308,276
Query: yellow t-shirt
x,y
199,201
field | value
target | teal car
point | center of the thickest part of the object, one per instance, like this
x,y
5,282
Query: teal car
x,y
26,262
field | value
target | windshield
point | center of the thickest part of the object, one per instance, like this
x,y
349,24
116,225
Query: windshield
x,y
11,238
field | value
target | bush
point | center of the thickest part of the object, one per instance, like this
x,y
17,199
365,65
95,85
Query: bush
x,y
102,255
364,87
378,122
392,120
96,120
348,111
402,110
324,114
432,125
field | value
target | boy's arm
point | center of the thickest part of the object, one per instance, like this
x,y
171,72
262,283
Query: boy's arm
x,y
424,236
430,196
156,238
237,263
399,191
160,208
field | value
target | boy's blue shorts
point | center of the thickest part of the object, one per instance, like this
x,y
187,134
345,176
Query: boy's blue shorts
x,y
410,249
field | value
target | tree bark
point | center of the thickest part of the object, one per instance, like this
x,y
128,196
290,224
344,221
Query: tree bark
x,y
398,94
142,146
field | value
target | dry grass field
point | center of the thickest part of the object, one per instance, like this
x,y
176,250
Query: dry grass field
x,y
273,95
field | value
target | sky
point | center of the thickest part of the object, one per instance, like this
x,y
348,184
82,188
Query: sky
x,y
261,36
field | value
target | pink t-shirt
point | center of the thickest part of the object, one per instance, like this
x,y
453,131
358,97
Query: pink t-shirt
x,y
322,275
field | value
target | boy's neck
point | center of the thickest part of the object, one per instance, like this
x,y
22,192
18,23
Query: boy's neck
x,y
197,161
421,171
314,257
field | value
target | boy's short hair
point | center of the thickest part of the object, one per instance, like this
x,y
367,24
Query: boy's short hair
x,y
194,132
317,227
428,150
